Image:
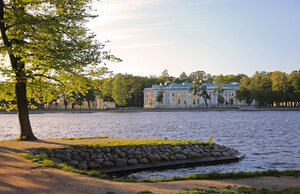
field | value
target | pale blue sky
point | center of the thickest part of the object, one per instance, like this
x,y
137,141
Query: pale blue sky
x,y
217,36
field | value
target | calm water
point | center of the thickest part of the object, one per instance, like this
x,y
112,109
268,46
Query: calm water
x,y
270,139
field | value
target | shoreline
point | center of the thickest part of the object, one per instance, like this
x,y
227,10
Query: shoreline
x,y
38,111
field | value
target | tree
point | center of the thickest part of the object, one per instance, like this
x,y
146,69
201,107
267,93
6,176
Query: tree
x,y
219,89
90,96
47,39
159,96
199,90
244,94
121,90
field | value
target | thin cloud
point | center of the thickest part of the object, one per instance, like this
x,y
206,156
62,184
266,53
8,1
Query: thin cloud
x,y
131,46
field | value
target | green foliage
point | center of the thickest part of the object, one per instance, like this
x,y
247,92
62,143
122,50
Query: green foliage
x,y
75,138
245,190
120,91
200,90
144,142
159,96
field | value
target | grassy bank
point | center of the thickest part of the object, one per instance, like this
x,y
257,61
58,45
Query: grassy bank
x,y
248,190
43,159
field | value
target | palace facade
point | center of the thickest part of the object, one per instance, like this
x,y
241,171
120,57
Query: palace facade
x,y
178,96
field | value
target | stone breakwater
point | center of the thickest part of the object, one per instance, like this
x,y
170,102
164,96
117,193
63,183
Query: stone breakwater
x,y
88,158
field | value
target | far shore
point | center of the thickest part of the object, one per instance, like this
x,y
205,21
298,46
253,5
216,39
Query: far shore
x,y
124,110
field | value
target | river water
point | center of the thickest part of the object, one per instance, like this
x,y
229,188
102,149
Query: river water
x,y
270,139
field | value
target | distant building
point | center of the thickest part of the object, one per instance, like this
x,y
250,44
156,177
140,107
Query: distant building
x,y
178,96
97,104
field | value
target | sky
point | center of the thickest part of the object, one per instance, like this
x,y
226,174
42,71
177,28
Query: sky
x,y
216,36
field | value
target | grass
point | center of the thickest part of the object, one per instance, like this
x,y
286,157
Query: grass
x,y
43,159
245,190
74,138
144,142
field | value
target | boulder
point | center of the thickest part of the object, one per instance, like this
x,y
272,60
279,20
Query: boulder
x,y
144,161
194,155
180,157
154,158
74,163
99,160
120,162
83,166
205,154
93,165
84,155
216,154
132,162
108,164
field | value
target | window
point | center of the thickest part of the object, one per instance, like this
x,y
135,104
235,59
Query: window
x,y
178,101
184,102
232,94
173,94
194,101
198,102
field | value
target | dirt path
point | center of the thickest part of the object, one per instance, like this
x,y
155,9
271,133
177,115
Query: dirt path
x,y
18,175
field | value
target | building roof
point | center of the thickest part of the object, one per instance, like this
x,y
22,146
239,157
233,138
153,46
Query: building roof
x,y
186,85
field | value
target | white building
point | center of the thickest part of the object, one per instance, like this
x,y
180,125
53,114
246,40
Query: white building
x,y
178,96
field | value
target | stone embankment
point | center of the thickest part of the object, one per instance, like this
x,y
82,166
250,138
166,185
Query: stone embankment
x,y
88,158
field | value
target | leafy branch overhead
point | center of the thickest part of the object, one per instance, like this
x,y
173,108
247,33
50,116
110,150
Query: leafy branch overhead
x,y
47,43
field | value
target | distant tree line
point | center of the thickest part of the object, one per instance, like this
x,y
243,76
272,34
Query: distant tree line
x,y
267,89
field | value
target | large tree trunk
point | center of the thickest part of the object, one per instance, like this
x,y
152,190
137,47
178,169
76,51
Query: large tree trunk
x,y
20,87
26,131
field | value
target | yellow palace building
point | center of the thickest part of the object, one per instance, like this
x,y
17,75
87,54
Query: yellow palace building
x,y
178,96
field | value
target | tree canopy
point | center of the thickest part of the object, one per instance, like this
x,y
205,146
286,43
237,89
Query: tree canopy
x,y
46,42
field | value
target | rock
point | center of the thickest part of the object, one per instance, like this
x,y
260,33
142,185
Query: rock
x,y
93,156
144,161
107,149
172,158
180,157
194,155
74,163
216,154
68,154
55,160
108,164
130,156
175,150
59,156
122,155
164,158
132,162
120,162
84,155
154,158
99,160
59,151
226,154
130,152
76,157
93,165
137,153
205,154
83,166
117,151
